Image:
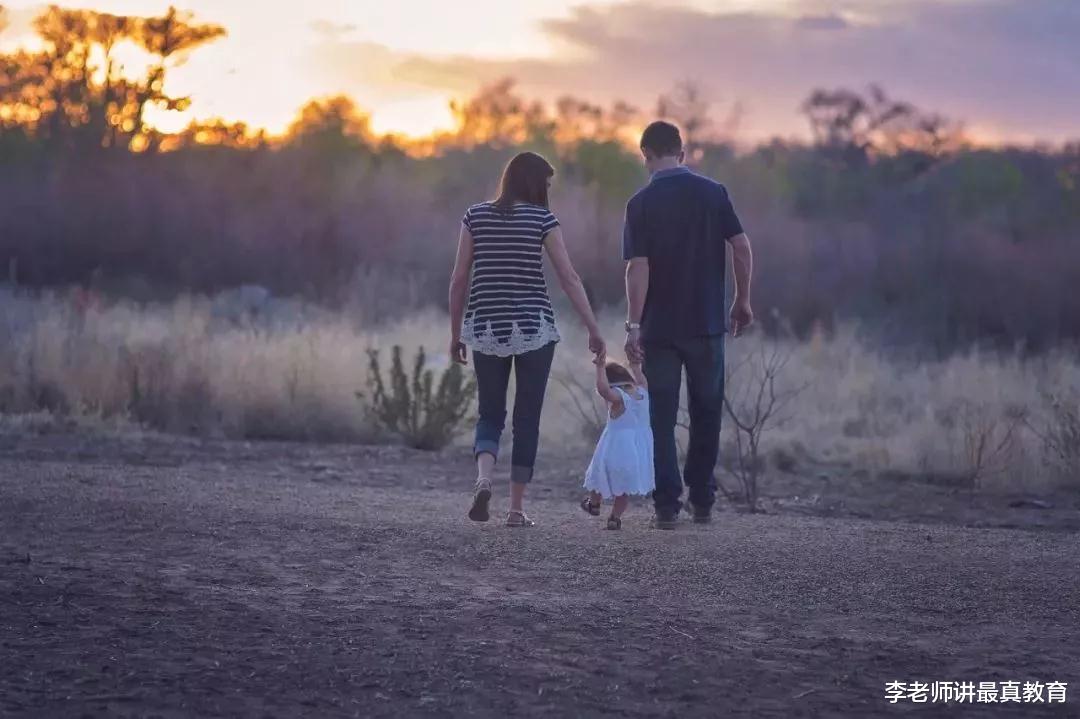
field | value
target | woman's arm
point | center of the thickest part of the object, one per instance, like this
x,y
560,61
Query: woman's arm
x,y
571,284
459,291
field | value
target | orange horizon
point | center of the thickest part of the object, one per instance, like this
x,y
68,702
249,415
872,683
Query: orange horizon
x,y
261,78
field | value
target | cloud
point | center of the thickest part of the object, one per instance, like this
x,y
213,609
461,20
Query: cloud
x,y
1007,66
822,22
330,30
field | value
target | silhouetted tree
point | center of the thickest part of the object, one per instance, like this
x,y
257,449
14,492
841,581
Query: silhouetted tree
x,y
857,125
498,117
215,133
72,92
330,124
168,39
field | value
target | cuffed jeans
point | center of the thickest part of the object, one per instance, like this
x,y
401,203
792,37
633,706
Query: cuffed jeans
x,y
703,358
531,371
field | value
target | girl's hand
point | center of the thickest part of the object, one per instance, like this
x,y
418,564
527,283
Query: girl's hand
x,y
458,353
600,360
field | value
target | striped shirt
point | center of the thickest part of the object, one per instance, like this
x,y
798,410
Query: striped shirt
x,y
509,311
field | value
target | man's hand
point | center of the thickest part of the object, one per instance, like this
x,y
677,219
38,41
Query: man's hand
x,y
458,353
741,316
634,351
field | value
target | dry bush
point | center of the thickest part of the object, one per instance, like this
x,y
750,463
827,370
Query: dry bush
x,y
756,400
987,438
1059,433
410,407
580,401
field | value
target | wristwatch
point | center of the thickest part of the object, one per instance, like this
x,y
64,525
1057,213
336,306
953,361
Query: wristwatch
x,y
632,326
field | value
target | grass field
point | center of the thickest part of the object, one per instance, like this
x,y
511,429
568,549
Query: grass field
x,y
260,368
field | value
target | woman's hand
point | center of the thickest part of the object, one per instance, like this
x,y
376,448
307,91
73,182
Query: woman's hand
x,y
458,353
596,343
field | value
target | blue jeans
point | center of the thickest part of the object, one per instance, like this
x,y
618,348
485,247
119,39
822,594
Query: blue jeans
x,y
531,372
703,358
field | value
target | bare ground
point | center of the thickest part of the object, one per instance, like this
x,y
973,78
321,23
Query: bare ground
x,y
160,577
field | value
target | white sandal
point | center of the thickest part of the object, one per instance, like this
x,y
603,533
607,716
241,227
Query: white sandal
x,y
517,518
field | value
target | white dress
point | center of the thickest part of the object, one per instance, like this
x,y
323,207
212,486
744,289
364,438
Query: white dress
x,y
623,461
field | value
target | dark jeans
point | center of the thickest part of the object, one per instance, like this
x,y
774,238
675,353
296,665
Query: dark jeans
x,y
703,358
531,372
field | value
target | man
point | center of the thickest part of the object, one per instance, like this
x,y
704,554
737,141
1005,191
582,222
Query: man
x,y
674,244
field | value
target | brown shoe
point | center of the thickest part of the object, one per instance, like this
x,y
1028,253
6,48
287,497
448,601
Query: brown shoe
x,y
589,507
702,515
665,520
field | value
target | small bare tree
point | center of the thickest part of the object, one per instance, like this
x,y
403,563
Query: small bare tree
x,y
988,439
755,403
582,401
1060,433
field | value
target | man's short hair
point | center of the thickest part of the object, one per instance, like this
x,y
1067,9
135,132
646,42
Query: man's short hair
x,y
661,139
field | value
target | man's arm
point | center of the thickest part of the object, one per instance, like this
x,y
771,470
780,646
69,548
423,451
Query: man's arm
x,y
636,254
637,287
742,265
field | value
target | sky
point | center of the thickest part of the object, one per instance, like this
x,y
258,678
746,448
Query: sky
x,y
1008,69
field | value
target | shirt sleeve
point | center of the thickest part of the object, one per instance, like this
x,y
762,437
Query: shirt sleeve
x,y
729,221
467,219
635,242
550,223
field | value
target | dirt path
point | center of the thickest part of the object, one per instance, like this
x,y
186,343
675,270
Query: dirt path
x,y
253,581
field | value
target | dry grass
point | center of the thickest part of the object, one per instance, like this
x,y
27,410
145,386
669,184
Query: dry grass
x,y
292,372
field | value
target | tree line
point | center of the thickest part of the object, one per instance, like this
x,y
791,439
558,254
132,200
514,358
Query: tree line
x,y
888,216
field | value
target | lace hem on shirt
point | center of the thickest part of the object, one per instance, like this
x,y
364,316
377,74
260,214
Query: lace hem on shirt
x,y
480,337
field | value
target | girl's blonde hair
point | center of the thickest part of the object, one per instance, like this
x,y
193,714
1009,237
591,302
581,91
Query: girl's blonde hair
x,y
617,374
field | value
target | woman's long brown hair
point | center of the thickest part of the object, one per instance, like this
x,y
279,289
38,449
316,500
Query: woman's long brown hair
x,y
524,180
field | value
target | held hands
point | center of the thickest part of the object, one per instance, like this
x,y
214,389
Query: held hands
x,y
741,316
596,343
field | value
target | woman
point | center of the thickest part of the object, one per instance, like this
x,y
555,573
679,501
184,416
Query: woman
x,y
508,321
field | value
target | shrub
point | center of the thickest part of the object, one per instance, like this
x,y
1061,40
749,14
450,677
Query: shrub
x,y
581,402
1060,434
423,418
756,403
988,438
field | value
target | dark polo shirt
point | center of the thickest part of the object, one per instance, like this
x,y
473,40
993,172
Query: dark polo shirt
x,y
681,222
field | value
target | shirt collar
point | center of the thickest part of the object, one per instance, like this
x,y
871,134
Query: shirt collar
x,y
672,172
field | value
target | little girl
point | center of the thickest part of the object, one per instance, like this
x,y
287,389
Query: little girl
x,y
623,462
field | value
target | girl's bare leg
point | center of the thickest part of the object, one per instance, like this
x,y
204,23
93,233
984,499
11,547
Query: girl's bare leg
x,y
620,505
595,498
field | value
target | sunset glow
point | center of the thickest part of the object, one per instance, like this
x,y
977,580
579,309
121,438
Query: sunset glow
x,y
404,62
